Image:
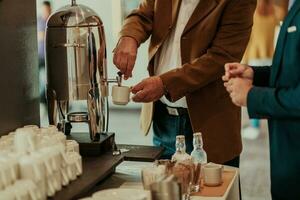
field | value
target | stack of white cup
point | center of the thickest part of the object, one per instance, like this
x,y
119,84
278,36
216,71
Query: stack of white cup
x,y
36,162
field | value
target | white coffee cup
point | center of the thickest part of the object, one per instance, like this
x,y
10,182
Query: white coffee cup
x,y
71,169
75,157
53,160
20,192
25,140
64,168
64,176
7,194
35,128
72,146
53,129
32,167
5,176
120,95
213,175
47,157
9,166
31,188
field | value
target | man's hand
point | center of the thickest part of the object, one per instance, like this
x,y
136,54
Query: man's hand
x,y
239,89
149,90
234,70
125,55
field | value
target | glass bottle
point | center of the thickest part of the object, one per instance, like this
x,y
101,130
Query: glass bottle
x,y
198,154
199,157
180,154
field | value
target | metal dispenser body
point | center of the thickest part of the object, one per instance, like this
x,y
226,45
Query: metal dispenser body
x,y
76,68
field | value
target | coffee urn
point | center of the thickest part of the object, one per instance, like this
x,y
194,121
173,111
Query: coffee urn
x,y
76,69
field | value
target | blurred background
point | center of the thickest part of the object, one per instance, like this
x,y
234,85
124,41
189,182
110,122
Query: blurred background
x,y
125,120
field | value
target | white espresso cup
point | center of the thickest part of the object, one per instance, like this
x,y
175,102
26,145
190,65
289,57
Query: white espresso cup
x,y
53,162
120,95
20,192
7,194
31,188
33,168
25,140
71,168
213,175
72,146
8,171
5,176
64,176
75,157
47,159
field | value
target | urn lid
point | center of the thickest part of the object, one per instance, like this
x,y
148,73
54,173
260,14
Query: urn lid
x,y
74,15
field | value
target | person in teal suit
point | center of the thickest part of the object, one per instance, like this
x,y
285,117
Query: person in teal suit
x,y
273,93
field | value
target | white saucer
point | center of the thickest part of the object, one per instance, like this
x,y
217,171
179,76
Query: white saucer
x,y
120,194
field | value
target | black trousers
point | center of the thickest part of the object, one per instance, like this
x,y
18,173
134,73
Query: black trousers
x,y
233,163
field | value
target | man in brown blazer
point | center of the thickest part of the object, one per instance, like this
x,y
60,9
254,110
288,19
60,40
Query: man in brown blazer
x,y
191,40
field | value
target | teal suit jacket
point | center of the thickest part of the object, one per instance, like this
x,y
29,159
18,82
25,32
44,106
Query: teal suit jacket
x,y
276,97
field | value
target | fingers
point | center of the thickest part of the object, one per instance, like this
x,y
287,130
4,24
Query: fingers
x,y
120,61
225,78
139,92
234,99
135,89
140,96
129,68
237,71
227,75
123,64
228,66
115,58
233,70
229,87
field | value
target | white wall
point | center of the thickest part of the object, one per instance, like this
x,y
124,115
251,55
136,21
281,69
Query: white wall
x,y
109,11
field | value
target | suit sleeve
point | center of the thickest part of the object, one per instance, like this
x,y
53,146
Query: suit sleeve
x,y
139,23
228,45
275,103
261,76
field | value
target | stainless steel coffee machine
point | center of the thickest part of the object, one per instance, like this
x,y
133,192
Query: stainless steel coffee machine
x,y
77,69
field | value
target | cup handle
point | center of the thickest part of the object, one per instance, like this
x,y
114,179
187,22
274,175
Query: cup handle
x,y
79,167
51,188
55,183
31,145
3,178
65,177
32,194
37,172
13,174
48,167
56,167
65,160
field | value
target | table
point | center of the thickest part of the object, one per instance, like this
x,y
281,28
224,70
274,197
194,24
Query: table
x,y
128,175
96,169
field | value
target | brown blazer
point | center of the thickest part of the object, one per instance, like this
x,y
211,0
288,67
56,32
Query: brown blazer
x,y
217,33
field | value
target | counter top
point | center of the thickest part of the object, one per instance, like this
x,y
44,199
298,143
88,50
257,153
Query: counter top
x,y
128,175
96,169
